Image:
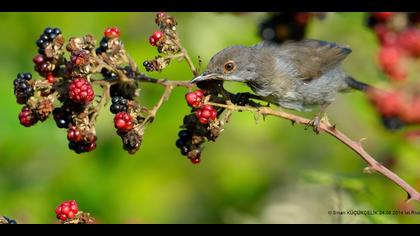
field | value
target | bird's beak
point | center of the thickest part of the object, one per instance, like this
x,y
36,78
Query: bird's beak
x,y
204,77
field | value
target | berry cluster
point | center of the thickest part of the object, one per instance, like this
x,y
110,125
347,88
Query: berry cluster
x,y
397,107
46,39
23,88
283,26
68,213
206,113
127,119
199,126
399,37
66,210
111,36
166,41
70,81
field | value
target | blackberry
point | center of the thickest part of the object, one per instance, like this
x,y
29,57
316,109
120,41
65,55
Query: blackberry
x,y
131,141
184,142
184,134
22,89
47,38
109,75
148,66
81,147
119,104
62,118
103,46
27,117
180,142
123,122
81,91
184,150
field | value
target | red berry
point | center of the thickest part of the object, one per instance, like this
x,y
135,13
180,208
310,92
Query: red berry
x,y
386,36
411,111
50,78
206,113
80,91
38,59
73,134
74,208
389,56
90,147
410,41
66,210
27,117
156,36
112,32
383,16
199,93
62,217
195,160
397,73
387,103
195,98
123,122
203,120
207,107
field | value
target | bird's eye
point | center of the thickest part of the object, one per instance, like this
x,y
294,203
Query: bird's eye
x,y
229,66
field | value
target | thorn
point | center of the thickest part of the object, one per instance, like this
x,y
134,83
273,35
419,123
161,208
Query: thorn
x,y
333,127
368,170
408,198
293,122
361,140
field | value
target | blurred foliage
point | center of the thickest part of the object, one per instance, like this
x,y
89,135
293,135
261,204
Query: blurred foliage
x,y
266,171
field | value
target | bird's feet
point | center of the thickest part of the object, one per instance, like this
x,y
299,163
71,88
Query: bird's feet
x,y
315,123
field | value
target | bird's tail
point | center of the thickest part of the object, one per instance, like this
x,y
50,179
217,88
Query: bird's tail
x,y
354,84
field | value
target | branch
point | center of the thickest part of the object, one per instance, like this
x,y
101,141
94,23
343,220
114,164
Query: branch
x,y
325,126
164,82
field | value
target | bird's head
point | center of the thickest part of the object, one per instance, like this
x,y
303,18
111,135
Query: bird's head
x,y
230,64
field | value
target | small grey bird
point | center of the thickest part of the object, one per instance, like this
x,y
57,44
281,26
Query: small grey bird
x,y
294,75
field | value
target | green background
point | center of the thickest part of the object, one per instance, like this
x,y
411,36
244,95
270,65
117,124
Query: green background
x,y
256,172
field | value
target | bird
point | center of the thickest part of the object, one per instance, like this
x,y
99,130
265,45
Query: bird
x,y
296,75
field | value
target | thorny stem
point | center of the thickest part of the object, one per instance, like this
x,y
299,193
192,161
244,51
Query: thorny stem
x,y
373,165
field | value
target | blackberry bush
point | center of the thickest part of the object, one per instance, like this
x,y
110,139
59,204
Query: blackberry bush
x,y
70,70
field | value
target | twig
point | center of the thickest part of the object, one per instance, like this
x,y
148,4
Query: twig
x,y
189,62
373,165
164,82
152,113
104,98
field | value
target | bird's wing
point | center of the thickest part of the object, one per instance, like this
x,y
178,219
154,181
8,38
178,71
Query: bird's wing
x,y
309,59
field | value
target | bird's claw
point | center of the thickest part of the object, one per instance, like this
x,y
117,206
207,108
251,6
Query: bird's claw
x,y
315,123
